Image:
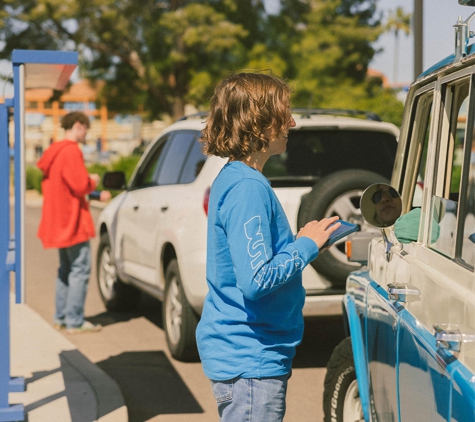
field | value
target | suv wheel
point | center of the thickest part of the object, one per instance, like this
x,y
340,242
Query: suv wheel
x,y
341,399
116,295
179,319
337,194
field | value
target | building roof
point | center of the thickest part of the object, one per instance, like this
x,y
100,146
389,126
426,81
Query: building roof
x,y
82,91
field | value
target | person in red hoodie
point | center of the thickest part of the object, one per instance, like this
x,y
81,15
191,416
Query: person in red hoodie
x,y
66,222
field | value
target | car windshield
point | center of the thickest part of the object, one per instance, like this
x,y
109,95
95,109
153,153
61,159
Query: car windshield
x,y
312,154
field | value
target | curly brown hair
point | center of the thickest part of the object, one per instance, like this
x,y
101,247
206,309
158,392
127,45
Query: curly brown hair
x,y
67,122
246,110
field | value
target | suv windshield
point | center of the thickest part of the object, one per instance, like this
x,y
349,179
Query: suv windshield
x,y
312,154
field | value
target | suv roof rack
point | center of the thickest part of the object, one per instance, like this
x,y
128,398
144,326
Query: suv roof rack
x,y
308,112
200,114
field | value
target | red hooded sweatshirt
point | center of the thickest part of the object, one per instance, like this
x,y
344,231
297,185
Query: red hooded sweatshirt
x,y
65,220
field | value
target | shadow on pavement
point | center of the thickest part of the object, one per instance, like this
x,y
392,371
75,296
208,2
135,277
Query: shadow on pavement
x,y
84,384
150,385
321,336
148,307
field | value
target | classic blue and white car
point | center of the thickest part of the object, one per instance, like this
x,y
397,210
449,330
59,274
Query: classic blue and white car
x,y
410,353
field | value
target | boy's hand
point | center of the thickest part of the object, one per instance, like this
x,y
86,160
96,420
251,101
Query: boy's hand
x,y
105,195
96,178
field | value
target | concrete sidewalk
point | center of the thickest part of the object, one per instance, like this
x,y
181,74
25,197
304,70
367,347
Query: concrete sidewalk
x,y
61,384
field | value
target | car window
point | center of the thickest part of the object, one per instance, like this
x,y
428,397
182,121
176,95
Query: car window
x,y
194,162
312,154
450,167
176,155
468,242
145,176
421,144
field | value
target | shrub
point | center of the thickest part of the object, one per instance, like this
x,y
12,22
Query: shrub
x,y
34,176
126,164
98,168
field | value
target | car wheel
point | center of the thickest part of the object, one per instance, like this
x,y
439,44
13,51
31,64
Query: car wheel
x,y
179,319
337,194
116,295
341,399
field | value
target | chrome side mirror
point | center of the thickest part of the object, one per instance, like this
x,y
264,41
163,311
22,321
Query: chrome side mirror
x,y
381,206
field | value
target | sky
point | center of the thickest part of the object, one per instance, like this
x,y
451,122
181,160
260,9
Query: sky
x,y
438,38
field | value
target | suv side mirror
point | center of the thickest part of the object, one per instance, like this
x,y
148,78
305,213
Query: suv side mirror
x,y
114,180
381,205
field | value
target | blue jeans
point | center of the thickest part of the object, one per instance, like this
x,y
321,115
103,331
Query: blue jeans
x,y
71,284
251,399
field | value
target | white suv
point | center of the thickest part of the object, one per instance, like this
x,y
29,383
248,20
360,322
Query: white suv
x,y
153,235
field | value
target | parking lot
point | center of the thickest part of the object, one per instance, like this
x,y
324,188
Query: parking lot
x,y
132,349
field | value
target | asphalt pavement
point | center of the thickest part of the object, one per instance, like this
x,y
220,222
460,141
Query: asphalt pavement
x,y
61,384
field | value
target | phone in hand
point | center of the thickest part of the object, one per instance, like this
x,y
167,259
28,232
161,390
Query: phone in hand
x,y
344,230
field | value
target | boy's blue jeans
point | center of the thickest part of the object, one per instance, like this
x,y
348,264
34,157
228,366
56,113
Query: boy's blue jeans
x,y
251,399
71,284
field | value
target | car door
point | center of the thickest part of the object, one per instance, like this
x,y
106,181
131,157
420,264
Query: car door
x,y
129,230
383,312
438,265
142,216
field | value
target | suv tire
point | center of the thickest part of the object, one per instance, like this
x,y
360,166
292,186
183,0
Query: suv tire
x,y
116,295
341,401
337,194
179,319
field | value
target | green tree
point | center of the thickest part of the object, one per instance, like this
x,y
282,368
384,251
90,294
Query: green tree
x,y
398,21
157,55
331,55
334,46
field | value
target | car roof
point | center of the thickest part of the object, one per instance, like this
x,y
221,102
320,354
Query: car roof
x,y
464,54
303,120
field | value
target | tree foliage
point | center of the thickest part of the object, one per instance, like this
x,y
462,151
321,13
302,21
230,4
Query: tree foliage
x,y
158,56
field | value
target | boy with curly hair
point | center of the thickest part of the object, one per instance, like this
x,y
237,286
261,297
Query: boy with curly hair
x,y
252,318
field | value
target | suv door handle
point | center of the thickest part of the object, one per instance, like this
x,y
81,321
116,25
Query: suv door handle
x,y
404,293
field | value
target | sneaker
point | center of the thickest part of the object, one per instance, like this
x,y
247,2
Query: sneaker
x,y
86,327
59,326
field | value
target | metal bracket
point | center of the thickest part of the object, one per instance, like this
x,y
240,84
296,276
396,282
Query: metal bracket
x,y
404,293
451,340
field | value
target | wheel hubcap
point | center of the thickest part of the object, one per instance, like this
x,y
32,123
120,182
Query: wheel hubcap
x,y
352,409
174,311
108,274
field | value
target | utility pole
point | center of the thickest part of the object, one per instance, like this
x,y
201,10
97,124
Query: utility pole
x,y
418,29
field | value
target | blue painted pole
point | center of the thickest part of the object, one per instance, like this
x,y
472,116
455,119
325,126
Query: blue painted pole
x,y
20,176
7,412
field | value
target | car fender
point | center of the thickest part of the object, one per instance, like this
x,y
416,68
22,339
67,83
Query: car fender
x,y
356,292
107,223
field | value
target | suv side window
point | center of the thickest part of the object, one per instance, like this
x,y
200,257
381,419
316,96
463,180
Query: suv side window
x,y
145,177
194,162
183,161
176,153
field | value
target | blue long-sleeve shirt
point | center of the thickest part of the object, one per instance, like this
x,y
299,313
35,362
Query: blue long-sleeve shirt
x,y
252,317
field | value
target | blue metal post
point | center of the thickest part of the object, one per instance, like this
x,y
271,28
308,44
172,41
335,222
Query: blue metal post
x,y
7,412
59,66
